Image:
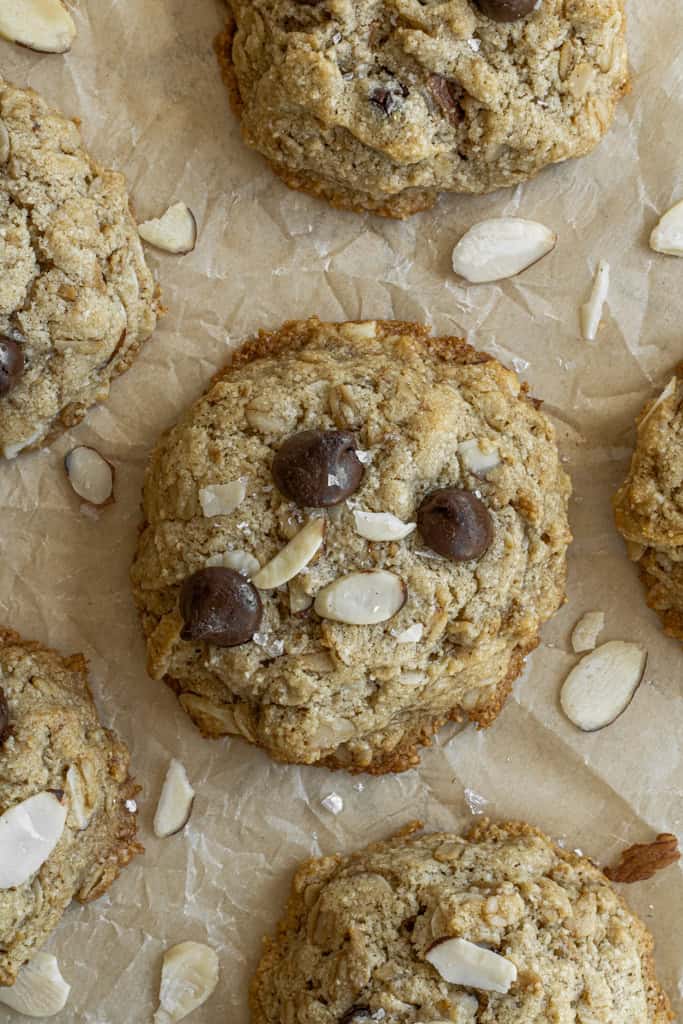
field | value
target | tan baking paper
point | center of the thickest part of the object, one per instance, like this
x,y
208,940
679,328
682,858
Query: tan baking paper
x,y
143,79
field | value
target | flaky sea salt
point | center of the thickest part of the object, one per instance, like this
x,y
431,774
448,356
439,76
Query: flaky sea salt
x,y
333,803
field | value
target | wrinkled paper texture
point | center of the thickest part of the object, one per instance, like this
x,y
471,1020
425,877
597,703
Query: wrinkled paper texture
x,y
143,78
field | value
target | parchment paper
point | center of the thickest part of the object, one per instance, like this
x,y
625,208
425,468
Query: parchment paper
x,y
143,78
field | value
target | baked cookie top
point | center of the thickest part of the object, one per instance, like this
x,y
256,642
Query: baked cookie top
x,y
382,104
649,505
52,743
368,632
76,297
354,943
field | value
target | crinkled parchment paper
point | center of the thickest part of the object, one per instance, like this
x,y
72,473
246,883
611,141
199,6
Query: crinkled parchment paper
x,y
143,78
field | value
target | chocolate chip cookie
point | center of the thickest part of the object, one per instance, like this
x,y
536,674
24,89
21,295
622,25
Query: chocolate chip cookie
x,y
76,297
351,538
67,807
496,927
382,104
649,504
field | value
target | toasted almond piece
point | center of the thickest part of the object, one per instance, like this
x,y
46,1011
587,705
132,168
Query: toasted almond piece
x,y
175,803
42,25
294,556
175,231
213,719
362,598
460,962
587,630
222,499
603,684
411,635
4,144
240,561
90,475
477,459
501,247
591,311
299,599
668,392
380,526
29,832
643,860
40,989
667,237
188,977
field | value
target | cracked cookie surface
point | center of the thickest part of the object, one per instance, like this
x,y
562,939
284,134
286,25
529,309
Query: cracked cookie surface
x,y
352,944
358,696
649,505
55,742
382,104
76,295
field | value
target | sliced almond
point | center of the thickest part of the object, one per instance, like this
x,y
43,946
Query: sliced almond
x,y
80,809
362,598
294,557
587,630
29,832
501,247
188,977
379,526
460,962
40,989
667,237
4,144
668,392
240,561
174,232
90,475
222,499
603,684
43,25
479,458
175,803
299,599
591,311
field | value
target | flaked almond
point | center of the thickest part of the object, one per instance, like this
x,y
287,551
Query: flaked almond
x,y
222,499
668,392
478,457
29,832
460,962
362,598
299,599
603,684
667,237
591,311
80,807
240,561
587,630
379,526
643,860
188,977
294,557
501,247
4,144
40,989
213,719
42,25
174,232
175,803
90,475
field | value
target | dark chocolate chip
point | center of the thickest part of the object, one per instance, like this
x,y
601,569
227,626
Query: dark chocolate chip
x,y
4,717
447,94
389,97
219,606
318,468
455,523
506,10
11,364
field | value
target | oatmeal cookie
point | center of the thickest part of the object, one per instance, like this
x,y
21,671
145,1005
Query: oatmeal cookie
x,y
351,538
76,297
52,744
357,940
382,104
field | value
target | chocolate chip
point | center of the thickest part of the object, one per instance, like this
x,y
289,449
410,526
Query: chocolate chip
x,y
220,606
390,97
455,523
447,94
11,364
506,10
4,717
318,468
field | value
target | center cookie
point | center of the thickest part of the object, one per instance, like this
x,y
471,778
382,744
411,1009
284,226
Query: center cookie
x,y
351,538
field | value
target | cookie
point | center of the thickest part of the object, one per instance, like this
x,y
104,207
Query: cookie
x,y
353,537
362,935
52,744
649,505
77,299
382,104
